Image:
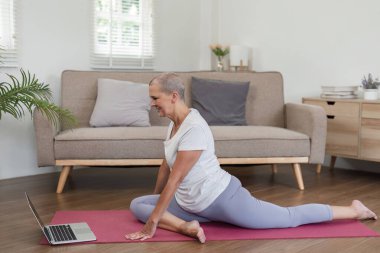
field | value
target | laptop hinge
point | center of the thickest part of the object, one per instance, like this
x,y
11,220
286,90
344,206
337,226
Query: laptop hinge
x,y
47,234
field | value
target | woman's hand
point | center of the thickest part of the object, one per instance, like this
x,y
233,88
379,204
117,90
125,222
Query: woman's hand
x,y
147,232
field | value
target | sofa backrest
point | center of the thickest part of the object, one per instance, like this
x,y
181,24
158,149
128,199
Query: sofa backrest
x,y
265,99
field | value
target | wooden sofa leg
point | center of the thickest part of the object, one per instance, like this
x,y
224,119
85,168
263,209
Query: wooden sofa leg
x,y
63,177
274,168
298,174
319,168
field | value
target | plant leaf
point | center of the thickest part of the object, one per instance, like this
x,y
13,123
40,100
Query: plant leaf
x,y
20,96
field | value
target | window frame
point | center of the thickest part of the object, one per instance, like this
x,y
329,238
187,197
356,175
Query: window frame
x,y
8,38
119,55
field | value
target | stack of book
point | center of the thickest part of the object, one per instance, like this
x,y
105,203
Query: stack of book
x,y
339,91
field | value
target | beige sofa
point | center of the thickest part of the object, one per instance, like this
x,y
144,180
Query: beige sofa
x,y
276,132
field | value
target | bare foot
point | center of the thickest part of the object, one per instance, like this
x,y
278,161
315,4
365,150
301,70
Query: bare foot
x,y
362,211
193,229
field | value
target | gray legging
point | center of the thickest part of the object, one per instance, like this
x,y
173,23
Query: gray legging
x,y
238,207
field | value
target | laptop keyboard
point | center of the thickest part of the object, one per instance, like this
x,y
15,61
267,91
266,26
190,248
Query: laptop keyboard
x,y
62,233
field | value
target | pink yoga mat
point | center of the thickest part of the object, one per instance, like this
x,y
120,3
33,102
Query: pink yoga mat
x,y
110,226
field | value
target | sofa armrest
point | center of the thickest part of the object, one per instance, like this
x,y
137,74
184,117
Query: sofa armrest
x,y
44,132
310,120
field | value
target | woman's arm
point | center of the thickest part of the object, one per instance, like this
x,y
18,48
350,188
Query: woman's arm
x,y
162,177
185,160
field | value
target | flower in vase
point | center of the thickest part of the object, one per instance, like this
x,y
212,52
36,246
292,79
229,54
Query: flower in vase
x,y
219,50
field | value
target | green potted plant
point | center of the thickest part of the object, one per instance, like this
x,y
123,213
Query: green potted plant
x,y
370,87
18,97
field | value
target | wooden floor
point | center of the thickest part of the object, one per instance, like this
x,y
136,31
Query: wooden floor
x,y
114,188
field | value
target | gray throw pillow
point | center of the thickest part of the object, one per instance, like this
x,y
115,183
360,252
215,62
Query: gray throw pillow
x,y
121,103
220,102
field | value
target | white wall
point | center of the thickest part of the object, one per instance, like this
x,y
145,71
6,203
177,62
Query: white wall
x,y
179,40
54,35
312,43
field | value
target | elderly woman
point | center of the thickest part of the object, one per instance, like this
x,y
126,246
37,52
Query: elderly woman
x,y
191,186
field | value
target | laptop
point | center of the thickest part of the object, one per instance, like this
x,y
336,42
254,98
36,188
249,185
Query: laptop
x,y
63,233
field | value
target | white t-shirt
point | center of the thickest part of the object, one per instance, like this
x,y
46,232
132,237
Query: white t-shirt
x,y
206,180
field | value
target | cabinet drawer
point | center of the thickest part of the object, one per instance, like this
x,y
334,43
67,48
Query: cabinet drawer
x,y
342,135
370,139
371,111
337,108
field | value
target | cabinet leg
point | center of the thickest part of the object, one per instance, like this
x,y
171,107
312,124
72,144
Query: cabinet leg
x,y
298,174
332,162
63,177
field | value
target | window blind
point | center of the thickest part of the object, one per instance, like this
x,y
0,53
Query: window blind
x,y
8,52
123,35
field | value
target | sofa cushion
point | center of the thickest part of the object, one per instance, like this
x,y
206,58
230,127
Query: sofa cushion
x,y
121,103
111,143
259,141
220,102
147,142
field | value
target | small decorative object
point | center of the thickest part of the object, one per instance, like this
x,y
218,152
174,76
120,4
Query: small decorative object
x,y
339,92
370,87
239,57
219,52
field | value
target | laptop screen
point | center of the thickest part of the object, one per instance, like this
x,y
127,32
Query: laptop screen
x,y
34,212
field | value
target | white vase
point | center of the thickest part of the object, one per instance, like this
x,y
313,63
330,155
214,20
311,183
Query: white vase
x,y
370,94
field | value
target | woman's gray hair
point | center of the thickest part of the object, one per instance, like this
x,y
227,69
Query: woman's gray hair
x,y
170,82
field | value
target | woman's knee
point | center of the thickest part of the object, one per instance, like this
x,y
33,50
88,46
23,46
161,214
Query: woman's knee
x,y
134,204
141,209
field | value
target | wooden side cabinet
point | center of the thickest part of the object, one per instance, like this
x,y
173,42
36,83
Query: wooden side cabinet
x,y
353,127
